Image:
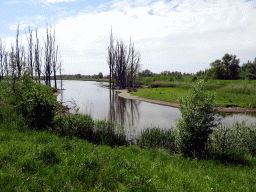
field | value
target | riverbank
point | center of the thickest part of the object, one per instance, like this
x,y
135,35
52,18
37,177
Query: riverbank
x,y
225,109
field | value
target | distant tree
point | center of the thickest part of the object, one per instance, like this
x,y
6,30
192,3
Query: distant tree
x,y
219,69
100,75
78,76
146,73
232,66
248,70
227,68
165,73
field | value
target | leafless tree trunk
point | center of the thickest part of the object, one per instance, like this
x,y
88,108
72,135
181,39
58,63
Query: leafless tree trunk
x,y
37,57
30,52
6,69
111,58
122,59
2,53
134,63
18,63
54,58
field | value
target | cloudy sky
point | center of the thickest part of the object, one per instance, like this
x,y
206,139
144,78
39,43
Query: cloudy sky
x,y
176,35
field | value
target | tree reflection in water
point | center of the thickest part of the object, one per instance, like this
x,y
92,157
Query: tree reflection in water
x,y
124,112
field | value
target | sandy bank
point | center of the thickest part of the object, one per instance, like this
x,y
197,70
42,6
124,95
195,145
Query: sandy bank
x,y
226,109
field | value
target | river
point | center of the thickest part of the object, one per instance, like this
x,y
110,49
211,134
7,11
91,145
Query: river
x,y
104,104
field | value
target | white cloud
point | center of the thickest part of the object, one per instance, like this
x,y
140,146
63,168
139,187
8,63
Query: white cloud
x,y
58,1
40,18
179,35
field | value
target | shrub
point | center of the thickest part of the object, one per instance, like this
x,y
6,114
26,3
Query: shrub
x,y
35,102
193,79
197,121
37,106
171,78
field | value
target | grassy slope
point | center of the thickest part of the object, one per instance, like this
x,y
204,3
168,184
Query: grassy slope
x,y
40,161
228,92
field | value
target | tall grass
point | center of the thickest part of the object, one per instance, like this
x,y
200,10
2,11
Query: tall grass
x,y
42,161
158,138
237,140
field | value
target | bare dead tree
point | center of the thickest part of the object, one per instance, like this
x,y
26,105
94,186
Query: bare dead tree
x,y
48,56
134,63
37,57
54,58
6,69
23,59
111,57
2,53
122,59
30,61
60,74
18,63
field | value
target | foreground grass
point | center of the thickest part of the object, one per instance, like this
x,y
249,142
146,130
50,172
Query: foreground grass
x,y
228,92
41,161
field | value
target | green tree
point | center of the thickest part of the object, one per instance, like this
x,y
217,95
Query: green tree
x,y
231,66
100,75
219,69
227,68
197,121
146,73
248,70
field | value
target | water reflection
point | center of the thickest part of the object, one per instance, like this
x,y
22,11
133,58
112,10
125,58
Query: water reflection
x,y
123,111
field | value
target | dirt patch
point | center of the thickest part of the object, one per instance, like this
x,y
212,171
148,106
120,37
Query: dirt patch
x,y
226,109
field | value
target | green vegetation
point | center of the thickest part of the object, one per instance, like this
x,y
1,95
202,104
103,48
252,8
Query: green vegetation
x,y
40,161
80,77
228,92
76,153
98,80
195,126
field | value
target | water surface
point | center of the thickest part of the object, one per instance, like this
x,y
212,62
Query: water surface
x,y
102,103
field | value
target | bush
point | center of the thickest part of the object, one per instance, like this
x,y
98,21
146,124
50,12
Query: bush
x,y
197,121
35,102
37,106
193,79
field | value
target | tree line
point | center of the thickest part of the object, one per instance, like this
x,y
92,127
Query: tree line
x,y
228,69
37,59
79,76
123,64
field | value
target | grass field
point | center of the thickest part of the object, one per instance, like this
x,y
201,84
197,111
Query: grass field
x,y
228,92
41,161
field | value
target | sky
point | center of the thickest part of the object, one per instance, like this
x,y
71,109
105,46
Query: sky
x,y
176,35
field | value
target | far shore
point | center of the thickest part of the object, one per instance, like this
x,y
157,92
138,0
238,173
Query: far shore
x,y
225,109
